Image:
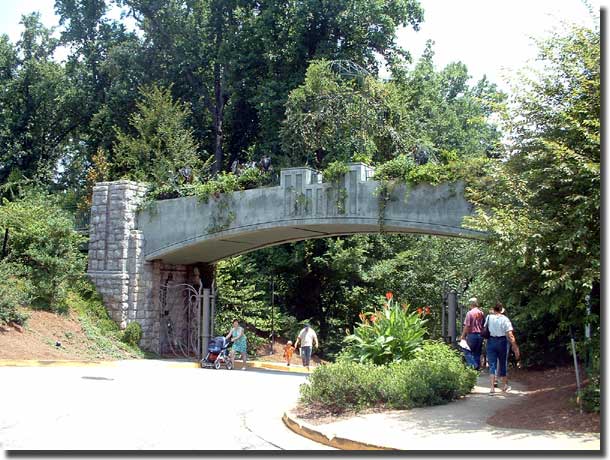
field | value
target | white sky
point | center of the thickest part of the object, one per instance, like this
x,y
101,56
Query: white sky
x,y
491,37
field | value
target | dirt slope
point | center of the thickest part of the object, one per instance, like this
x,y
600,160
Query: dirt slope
x,y
44,329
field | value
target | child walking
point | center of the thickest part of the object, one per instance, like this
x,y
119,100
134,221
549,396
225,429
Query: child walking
x,y
288,350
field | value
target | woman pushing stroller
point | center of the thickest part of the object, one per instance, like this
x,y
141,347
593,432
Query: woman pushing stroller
x,y
238,338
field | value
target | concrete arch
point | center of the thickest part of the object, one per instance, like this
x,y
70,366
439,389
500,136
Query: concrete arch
x,y
186,230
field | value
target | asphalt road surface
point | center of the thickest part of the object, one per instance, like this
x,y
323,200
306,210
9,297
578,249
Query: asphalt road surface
x,y
147,405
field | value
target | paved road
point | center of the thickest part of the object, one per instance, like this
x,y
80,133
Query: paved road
x,y
146,405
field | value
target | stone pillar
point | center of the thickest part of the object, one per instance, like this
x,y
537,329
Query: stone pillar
x,y
116,261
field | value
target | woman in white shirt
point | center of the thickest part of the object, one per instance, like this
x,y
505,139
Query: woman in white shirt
x,y
500,333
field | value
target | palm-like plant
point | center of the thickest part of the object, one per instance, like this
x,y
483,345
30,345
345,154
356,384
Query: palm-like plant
x,y
391,334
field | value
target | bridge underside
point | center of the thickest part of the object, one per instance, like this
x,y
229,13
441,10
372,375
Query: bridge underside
x,y
241,241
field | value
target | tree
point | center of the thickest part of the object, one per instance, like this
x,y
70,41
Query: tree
x,y
37,105
336,117
346,116
43,248
447,116
236,61
161,145
542,204
105,68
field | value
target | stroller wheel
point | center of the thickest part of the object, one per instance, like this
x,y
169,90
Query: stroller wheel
x,y
229,364
217,364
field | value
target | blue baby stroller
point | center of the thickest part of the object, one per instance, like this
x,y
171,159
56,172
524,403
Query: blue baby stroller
x,y
218,354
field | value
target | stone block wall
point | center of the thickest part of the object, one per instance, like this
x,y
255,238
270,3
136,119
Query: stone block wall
x,y
116,261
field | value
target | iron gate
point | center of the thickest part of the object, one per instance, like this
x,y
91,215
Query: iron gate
x,y
181,324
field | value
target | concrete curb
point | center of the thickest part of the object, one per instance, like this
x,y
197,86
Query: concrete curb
x,y
311,432
118,363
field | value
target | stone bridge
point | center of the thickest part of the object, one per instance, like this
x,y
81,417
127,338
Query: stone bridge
x,y
155,265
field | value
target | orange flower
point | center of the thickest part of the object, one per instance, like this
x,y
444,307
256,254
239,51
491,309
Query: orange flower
x,y
427,310
420,310
389,295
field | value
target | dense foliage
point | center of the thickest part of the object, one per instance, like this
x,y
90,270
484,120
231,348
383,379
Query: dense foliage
x,y
43,244
161,145
435,375
14,293
341,115
542,205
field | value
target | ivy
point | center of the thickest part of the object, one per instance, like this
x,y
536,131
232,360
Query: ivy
x,y
334,174
335,171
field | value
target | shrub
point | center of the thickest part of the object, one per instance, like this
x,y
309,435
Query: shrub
x,y
335,171
13,294
252,178
436,375
223,183
390,334
43,243
132,334
395,169
591,393
343,385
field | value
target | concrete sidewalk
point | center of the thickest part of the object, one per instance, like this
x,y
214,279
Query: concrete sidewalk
x,y
460,425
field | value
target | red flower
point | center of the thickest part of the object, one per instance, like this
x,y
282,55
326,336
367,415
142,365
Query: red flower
x,y
389,295
373,318
427,310
420,310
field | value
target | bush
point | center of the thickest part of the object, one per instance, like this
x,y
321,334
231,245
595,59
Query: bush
x,y
335,171
252,178
132,334
591,393
395,169
13,294
436,375
344,385
222,183
44,245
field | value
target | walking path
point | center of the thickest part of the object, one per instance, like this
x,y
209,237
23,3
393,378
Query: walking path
x,y
460,425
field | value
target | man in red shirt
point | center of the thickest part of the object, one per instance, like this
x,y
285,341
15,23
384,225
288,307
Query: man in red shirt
x,y
473,325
